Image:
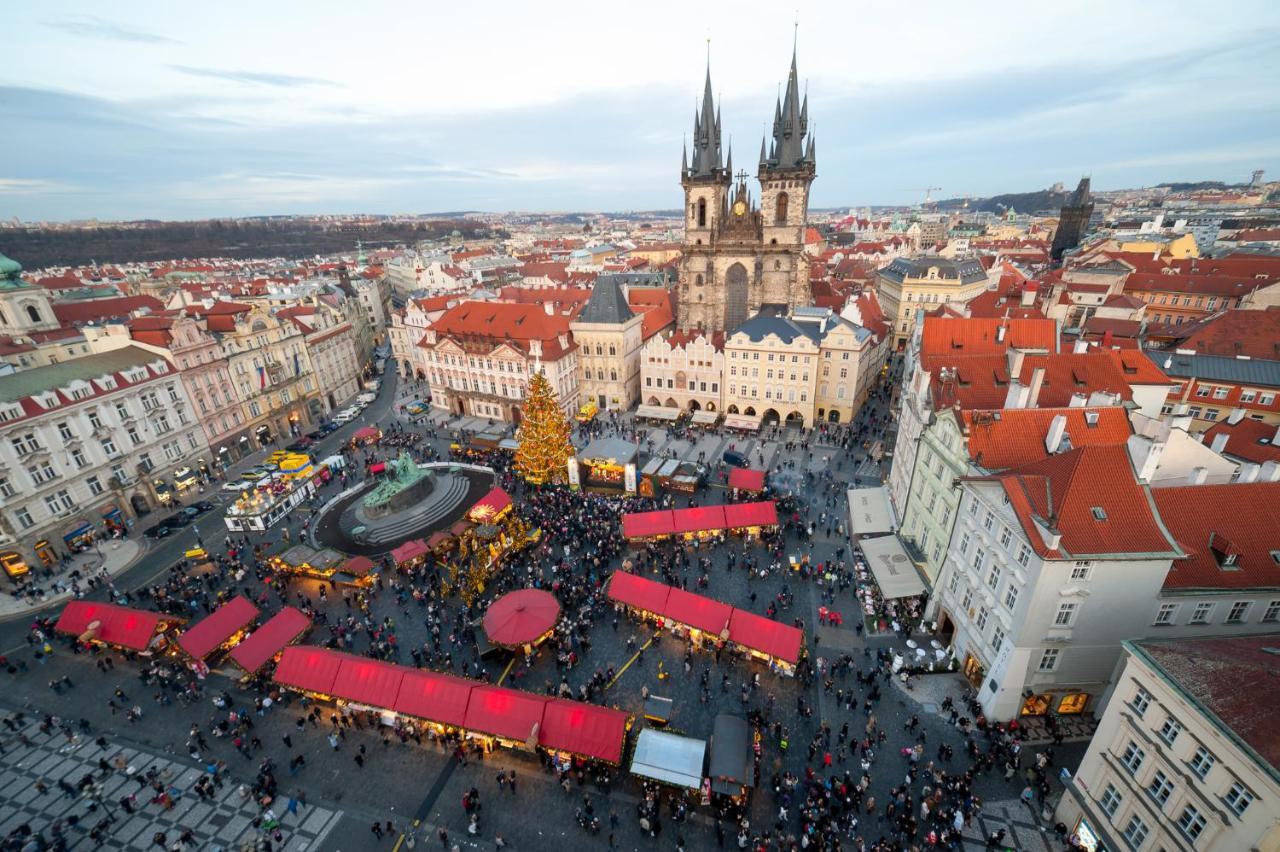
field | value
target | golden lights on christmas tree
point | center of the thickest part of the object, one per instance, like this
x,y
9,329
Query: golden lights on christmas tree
x,y
545,449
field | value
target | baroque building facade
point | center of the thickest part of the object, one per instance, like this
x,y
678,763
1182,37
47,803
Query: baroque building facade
x,y
739,256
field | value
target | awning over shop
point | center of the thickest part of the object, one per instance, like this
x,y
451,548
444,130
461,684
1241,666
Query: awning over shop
x,y
434,697
358,566
614,450
761,514
746,479
490,505
117,625
647,524
703,417
747,423
504,713
409,551
869,511
638,592
894,572
521,616
367,681
766,636
732,762
709,616
263,644
308,668
669,758
583,729
203,638
657,412
698,519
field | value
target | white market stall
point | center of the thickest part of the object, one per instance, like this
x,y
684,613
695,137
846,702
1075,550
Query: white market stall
x,y
869,511
669,758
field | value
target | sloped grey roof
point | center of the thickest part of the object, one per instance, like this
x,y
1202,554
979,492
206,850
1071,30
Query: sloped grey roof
x,y
1218,368
607,304
966,271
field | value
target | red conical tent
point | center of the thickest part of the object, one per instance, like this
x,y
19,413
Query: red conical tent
x,y
520,617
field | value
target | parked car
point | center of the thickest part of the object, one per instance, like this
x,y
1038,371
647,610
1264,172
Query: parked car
x,y
200,507
301,445
315,436
236,485
736,459
158,531
178,519
327,428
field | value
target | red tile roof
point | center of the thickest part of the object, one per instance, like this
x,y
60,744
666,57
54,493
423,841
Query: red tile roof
x,y
977,336
679,339
998,440
1213,522
1062,493
993,304
1252,333
1250,440
1206,285
495,323
1235,679
101,310
982,381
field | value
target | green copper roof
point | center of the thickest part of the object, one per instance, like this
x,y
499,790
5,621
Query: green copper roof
x,y
11,275
24,383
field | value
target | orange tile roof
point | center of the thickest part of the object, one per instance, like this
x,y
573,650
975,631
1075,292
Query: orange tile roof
x,y
1230,333
680,339
1251,440
977,335
981,381
1013,437
1062,493
1212,522
494,323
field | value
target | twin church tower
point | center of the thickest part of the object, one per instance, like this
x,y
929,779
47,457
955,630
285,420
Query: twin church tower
x,y
740,257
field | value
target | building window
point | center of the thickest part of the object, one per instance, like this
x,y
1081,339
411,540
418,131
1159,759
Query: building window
x,y
1133,757
978,556
1191,823
24,518
1135,833
1110,801
1239,610
1049,660
6,487
968,599
1166,613
1011,598
1160,788
1170,730
1238,798
988,521
1006,535
997,639
973,508
964,543
1201,762
1272,612
993,579
1140,702
1081,572
95,487
1066,615
1024,555
1200,615
982,618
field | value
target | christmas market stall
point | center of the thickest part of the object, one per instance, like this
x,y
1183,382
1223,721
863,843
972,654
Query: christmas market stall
x,y
282,630
609,462
366,684
309,670
701,619
491,508
507,717
220,630
647,526
365,435
263,505
751,519
779,645
439,700
105,624
522,619
732,763
576,730
646,598
669,758
324,564
746,480
410,555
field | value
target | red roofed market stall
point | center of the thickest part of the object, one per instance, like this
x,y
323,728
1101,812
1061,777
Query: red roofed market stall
x,y
639,593
120,626
506,714
371,683
284,628
222,628
309,669
766,639
701,521
746,479
432,697
410,554
491,507
706,615
523,617
584,730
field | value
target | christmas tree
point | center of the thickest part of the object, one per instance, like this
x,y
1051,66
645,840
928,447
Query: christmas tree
x,y
545,449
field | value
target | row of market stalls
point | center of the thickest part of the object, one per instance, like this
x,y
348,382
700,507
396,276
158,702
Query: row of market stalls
x,y
681,761
701,521
231,627
668,414
705,620
493,715
325,564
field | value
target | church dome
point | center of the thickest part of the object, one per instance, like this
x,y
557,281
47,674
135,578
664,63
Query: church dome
x,y
9,267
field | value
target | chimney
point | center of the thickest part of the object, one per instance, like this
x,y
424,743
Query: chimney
x,y
1057,428
1033,392
1144,454
1275,439
1015,357
1078,400
1081,346
1249,472
1219,442
1028,296
1236,415
1270,472
1197,476
1106,339
1000,332
549,307
1017,395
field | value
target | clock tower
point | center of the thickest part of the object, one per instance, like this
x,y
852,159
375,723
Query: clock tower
x,y
739,257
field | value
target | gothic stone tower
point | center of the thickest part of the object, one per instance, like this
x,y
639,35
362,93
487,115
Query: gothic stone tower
x,y
738,258
1073,220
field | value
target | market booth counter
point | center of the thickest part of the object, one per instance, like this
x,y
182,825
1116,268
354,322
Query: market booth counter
x,y
117,626
523,618
309,669
368,684
572,729
439,700
220,630
411,554
490,508
779,645
504,716
669,758
733,758
609,462
747,480
647,597
705,620
258,648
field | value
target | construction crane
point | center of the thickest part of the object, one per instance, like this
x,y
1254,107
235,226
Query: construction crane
x,y
928,193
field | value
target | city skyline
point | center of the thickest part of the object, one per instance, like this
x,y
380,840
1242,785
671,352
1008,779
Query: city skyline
x,y
338,113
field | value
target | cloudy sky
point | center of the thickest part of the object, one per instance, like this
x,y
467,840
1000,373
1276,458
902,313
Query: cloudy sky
x,y
184,110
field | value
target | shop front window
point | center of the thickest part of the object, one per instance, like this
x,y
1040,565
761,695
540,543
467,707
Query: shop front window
x,y
1035,705
1073,703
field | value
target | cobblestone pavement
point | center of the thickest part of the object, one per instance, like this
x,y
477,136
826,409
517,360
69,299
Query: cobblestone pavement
x,y
224,820
408,782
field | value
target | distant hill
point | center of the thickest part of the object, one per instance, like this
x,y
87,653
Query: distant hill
x,y
1040,202
36,247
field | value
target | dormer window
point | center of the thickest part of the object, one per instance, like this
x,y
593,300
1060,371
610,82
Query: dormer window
x,y
1224,552
1099,513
